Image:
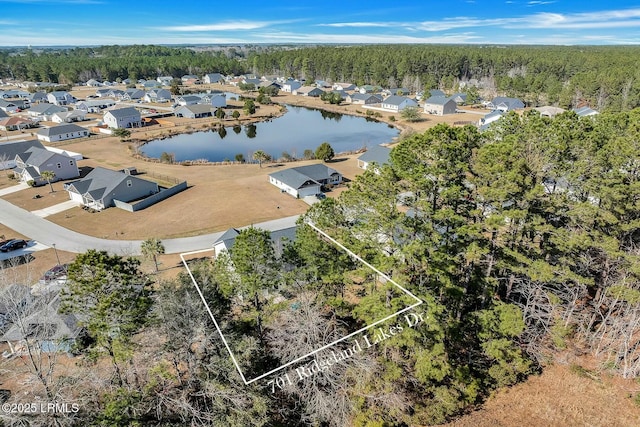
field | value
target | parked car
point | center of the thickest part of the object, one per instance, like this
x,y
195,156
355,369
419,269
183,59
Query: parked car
x,y
56,273
13,245
4,242
321,196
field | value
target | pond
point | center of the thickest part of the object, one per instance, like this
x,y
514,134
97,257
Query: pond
x,y
297,130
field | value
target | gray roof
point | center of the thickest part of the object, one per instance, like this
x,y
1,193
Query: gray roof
x,y
511,103
124,112
47,109
196,108
3,114
278,237
437,100
45,323
36,156
100,181
59,130
11,149
436,92
584,111
293,178
190,98
317,172
396,100
378,154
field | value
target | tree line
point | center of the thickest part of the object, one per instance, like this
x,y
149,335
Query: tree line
x,y
605,77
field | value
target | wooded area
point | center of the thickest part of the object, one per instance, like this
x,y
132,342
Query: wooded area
x,y
605,77
522,241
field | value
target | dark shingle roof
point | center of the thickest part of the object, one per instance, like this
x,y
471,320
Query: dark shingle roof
x,y
10,150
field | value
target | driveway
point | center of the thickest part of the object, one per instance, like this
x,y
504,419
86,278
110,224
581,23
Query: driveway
x,y
48,233
31,248
14,189
60,207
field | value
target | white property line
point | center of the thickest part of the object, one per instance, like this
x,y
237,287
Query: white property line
x,y
419,301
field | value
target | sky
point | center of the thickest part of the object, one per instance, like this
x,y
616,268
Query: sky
x,y
102,22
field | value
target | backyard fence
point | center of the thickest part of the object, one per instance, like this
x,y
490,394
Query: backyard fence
x,y
151,200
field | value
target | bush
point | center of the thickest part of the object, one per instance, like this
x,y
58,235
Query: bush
x,y
31,183
392,118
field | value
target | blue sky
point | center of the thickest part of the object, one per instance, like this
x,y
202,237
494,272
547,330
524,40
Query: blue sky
x,y
94,22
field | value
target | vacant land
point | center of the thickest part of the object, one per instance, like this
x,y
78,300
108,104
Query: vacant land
x,y
561,396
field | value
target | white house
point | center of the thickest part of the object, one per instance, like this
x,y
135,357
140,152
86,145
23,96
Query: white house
x,y
305,181
69,116
62,133
213,78
290,85
397,103
377,154
95,105
505,104
123,118
60,97
585,111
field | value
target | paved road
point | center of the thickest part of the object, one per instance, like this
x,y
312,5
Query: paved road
x,y
48,233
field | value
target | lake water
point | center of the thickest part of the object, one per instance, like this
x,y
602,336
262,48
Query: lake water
x,y
297,130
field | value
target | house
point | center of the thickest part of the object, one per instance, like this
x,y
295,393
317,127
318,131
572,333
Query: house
x,y
3,114
95,105
290,85
93,83
152,84
377,154
8,106
132,95
102,93
188,100
62,133
101,187
398,91
305,181
43,323
436,92
369,89
363,99
45,111
69,116
60,97
505,104
34,161
279,238
16,123
440,105
9,151
165,80
322,84
549,111
489,118
585,111
215,99
190,79
459,98
157,95
397,103
308,91
38,97
8,94
344,86
213,78
123,118
268,84
197,111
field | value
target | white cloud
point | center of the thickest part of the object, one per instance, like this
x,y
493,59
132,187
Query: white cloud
x,y
359,24
240,25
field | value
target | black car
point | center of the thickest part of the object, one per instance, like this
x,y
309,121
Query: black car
x,y
12,245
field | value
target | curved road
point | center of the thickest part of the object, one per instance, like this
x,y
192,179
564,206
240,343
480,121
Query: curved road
x,y
48,233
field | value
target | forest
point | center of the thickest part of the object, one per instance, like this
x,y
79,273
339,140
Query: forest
x,y
605,77
522,241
